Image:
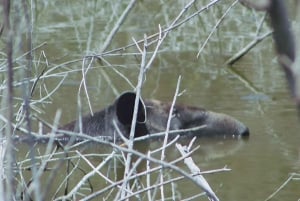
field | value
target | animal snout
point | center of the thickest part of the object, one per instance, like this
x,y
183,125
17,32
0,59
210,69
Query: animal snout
x,y
245,132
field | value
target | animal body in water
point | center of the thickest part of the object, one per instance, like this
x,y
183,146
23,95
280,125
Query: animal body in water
x,y
152,117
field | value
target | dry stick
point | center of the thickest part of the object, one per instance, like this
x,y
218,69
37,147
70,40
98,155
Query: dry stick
x,y
65,181
40,171
281,187
167,134
9,191
2,166
91,31
75,25
260,25
170,118
33,49
129,142
110,83
117,72
248,47
173,162
194,197
133,170
216,26
159,149
79,105
195,170
57,154
263,6
60,66
148,182
171,132
55,171
83,82
35,185
117,26
42,73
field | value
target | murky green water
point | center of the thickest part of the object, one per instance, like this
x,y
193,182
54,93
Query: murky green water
x,y
253,90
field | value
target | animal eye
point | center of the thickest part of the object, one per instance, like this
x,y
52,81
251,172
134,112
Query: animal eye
x,y
175,112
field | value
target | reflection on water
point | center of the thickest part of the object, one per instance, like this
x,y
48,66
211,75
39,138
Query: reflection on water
x,y
255,92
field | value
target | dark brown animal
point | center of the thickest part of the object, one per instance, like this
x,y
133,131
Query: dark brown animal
x,y
152,117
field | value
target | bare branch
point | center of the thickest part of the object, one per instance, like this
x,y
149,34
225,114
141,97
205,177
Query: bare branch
x,y
118,25
195,170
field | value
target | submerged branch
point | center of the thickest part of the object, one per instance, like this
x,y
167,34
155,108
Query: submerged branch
x,y
246,49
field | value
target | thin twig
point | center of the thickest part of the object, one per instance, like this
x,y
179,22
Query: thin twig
x,y
167,132
38,172
9,156
216,26
171,133
41,74
83,82
35,187
134,118
31,50
109,82
281,187
117,72
118,25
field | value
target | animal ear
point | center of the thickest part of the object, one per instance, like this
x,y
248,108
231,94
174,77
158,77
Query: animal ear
x,y
125,107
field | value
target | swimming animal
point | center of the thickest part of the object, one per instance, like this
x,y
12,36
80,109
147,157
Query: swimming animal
x,y
152,117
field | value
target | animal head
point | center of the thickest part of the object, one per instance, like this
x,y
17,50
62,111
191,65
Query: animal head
x,y
188,117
